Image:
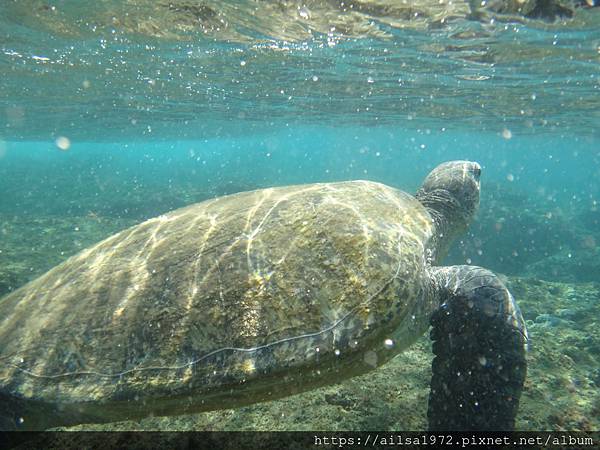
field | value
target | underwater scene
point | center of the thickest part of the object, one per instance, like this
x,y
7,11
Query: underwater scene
x,y
244,214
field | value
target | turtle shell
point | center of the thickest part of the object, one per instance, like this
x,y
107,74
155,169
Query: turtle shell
x,y
234,300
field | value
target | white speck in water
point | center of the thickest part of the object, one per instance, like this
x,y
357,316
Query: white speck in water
x,y
482,360
63,143
20,420
315,78
242,63
370,80
510,177
337,352
388,343
506,133
304,13
468,260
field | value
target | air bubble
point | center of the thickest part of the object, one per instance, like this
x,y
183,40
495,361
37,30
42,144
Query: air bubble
x,y
304,13
63,143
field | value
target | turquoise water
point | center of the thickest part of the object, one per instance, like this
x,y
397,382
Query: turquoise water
x,y
104,125
539,194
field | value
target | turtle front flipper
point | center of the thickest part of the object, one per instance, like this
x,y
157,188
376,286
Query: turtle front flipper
x,y
479,343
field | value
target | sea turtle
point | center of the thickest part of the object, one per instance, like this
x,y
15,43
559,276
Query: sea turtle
x,y
259,295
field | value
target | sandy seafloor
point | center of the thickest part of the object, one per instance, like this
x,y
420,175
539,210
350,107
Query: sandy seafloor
x,y
557,294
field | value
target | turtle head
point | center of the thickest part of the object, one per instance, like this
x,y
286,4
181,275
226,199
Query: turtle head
x,y
451,195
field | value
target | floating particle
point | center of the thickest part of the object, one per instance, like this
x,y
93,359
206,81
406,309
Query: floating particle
x,y
506,133
86,84
510,177
315,78
63,143
370,358
388,343
304,12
